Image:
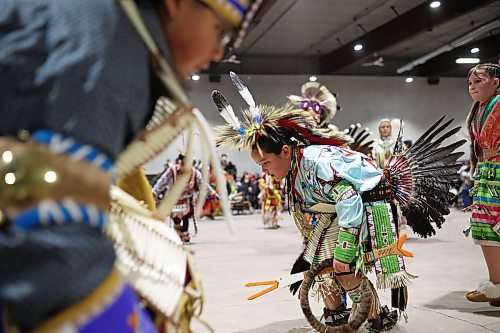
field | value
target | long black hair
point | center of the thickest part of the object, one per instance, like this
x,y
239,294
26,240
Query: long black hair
x,y
267,145
286,137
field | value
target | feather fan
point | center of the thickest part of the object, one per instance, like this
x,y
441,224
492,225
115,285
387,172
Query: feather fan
x,y
422,176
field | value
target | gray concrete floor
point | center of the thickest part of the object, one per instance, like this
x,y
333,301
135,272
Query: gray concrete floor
x,y
447,264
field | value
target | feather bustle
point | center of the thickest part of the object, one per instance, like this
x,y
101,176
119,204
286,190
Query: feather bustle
x,y
421,177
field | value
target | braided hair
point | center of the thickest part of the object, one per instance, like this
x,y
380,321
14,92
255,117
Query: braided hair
x,y
489,69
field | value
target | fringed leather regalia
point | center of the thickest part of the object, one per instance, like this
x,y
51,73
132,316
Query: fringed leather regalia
x,y
137,185
344,205
78,254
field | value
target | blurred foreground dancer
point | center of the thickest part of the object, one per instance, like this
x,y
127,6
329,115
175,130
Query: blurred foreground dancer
x,y
80,79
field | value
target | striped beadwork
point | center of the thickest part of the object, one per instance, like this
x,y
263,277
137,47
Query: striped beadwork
x,y
67,211
61,144
385,236
486,204
346,248
49,212
233,10
390,270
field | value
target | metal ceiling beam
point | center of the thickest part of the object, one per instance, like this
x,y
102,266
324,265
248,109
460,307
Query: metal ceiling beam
x,y
464,39
269,65
335,31
489,49
409,24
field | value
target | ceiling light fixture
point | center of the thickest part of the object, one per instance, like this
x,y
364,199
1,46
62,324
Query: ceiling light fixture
x,y
435,4
313,78
195,77
467,61
358,47
409,80
474,50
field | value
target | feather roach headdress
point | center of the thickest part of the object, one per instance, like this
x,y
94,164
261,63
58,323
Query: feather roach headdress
x,y
318,98
278,123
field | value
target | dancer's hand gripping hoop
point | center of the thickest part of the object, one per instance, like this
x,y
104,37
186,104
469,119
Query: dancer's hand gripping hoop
x,y
395,248
363,293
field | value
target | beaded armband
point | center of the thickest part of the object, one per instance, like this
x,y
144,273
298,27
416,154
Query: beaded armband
x,y
341,191
347,245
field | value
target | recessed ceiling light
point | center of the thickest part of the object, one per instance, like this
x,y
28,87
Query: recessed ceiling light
x,y
195,77
409,80
474,50
435,4
467,61
313,78
358,47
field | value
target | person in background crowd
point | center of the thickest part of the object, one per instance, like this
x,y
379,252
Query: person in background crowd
x,y
384,144
184,209
231,169
271,201
223,161
212,207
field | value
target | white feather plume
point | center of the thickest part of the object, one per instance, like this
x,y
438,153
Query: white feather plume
x,y
245,93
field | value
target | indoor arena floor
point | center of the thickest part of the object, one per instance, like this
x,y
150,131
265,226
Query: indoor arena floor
x,y
447,265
